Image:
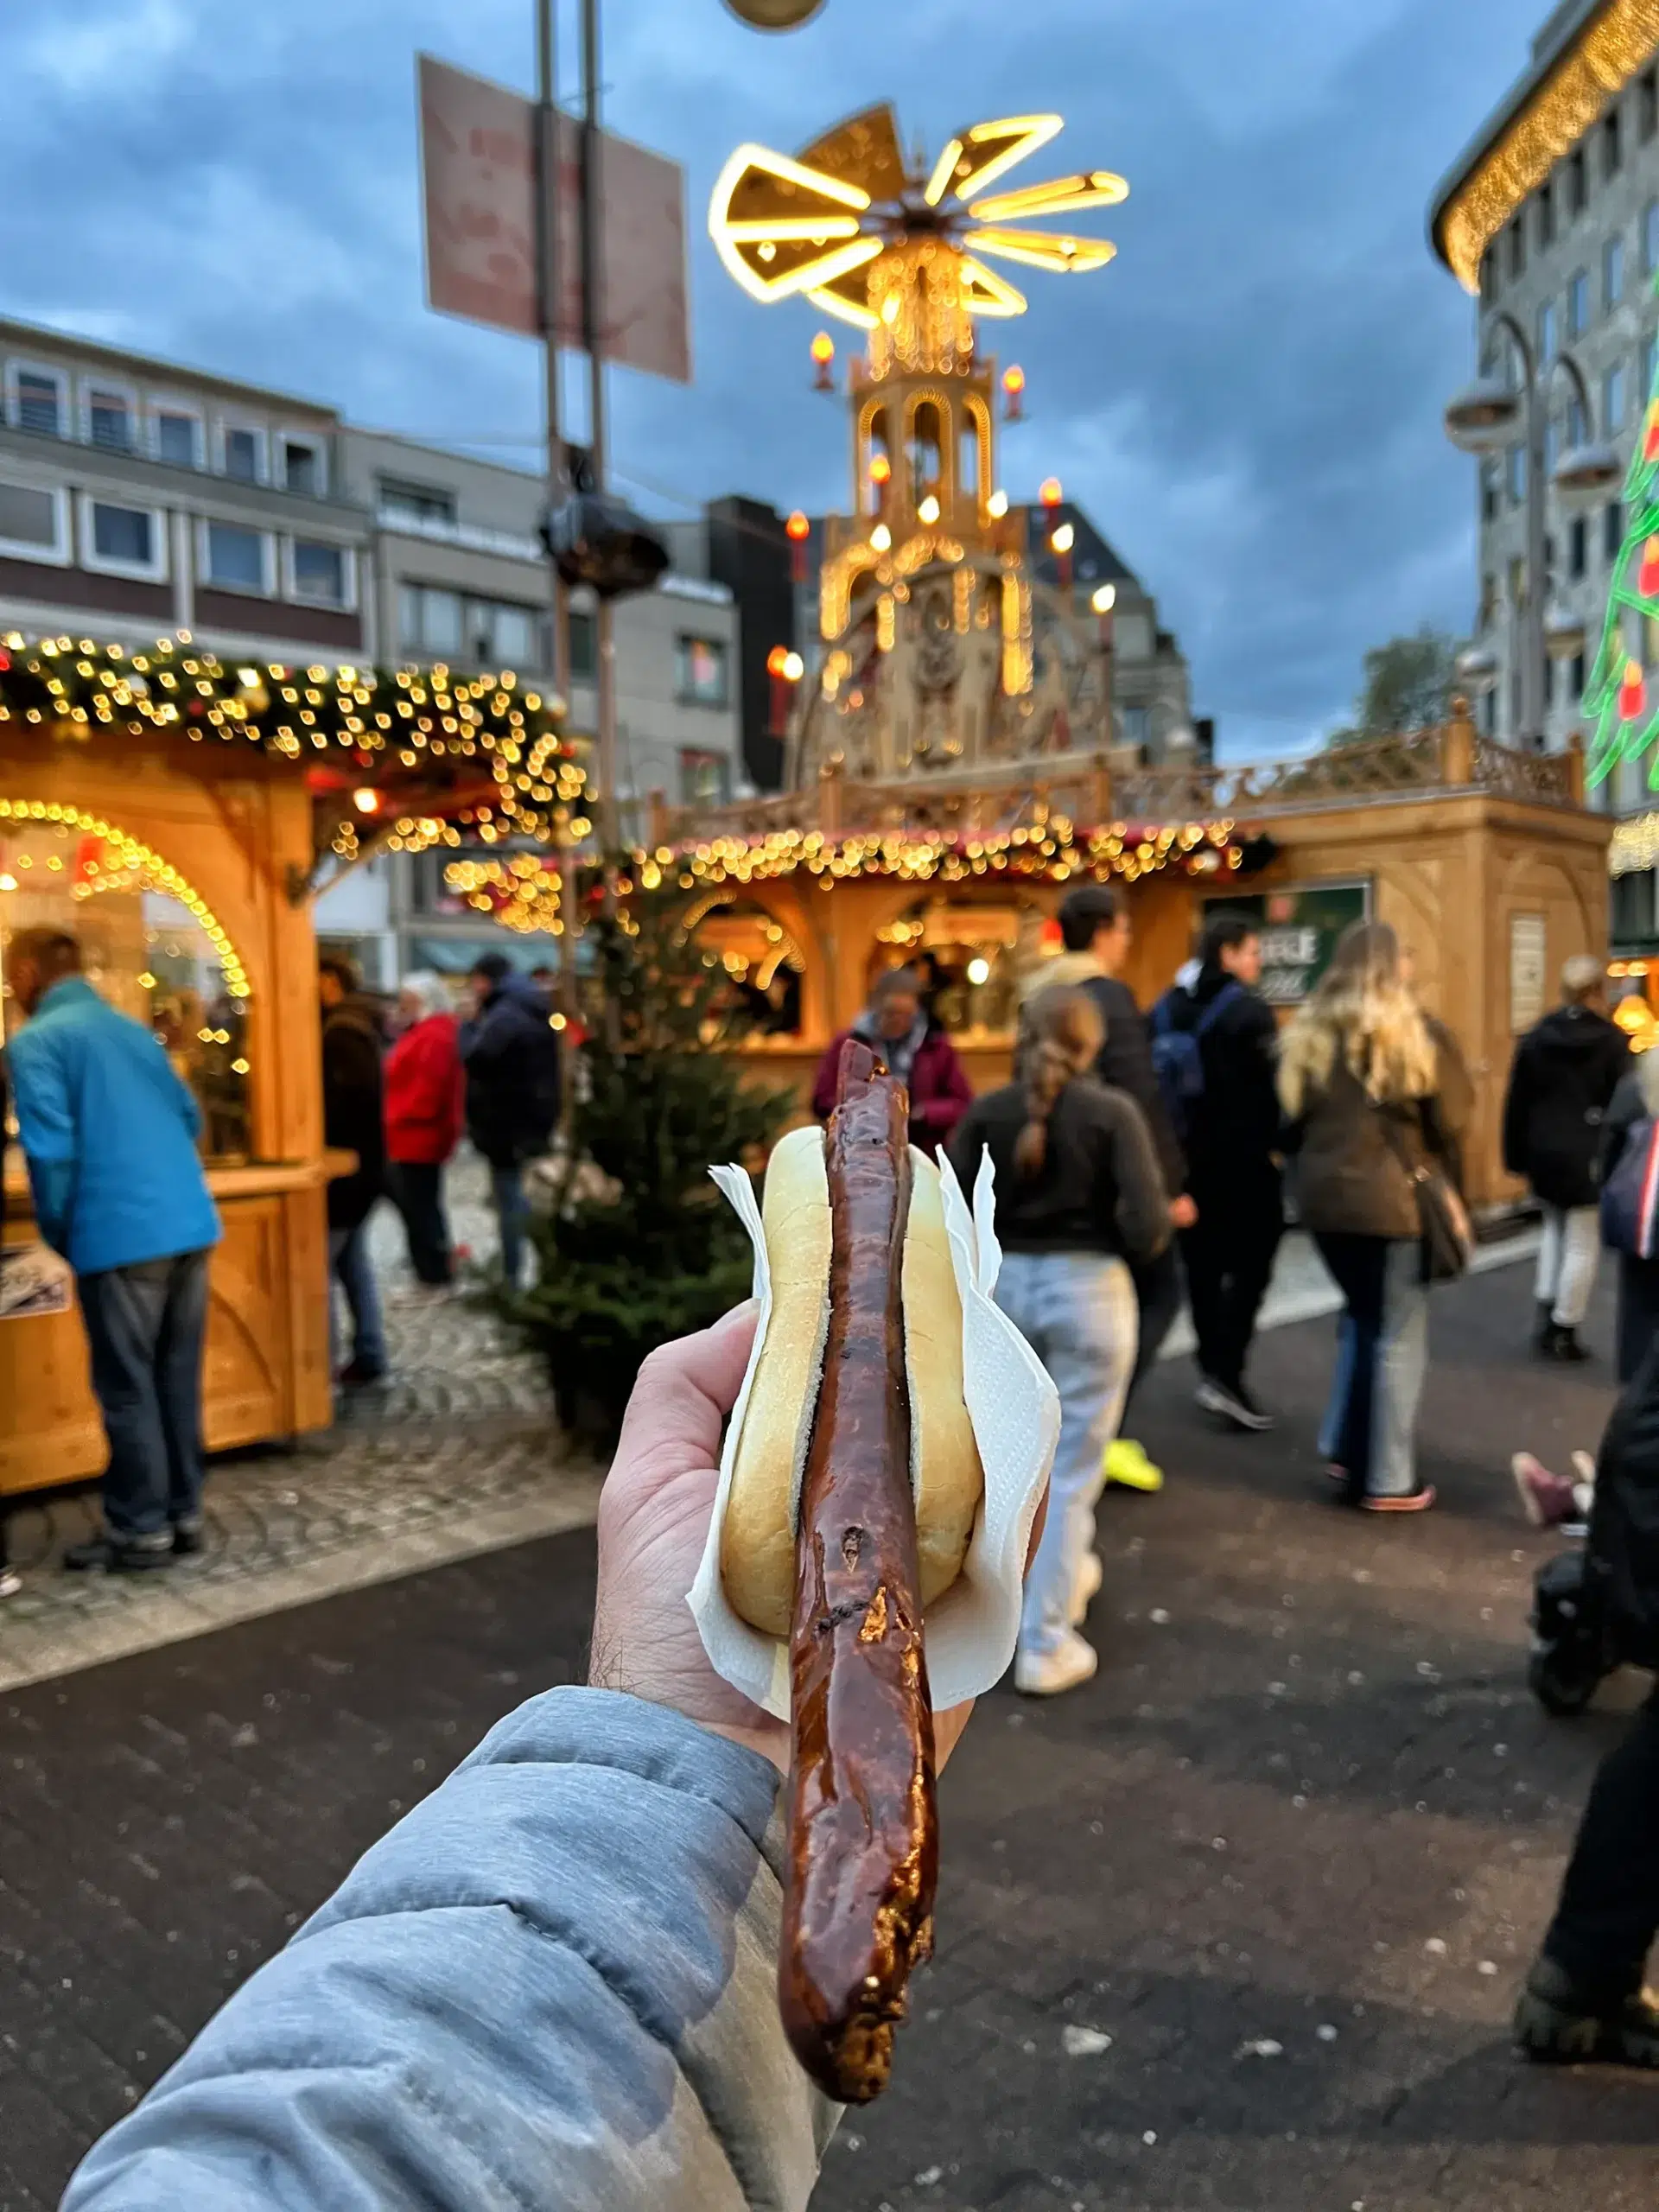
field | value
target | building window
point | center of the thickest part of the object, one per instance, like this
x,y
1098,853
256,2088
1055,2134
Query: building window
x,y
705,779
1610,147
1552,445
1488,713
1577,687
34,523
1487,490
1517,475
1517,583
178,436
1547,331
1612,399
1646,106
1613,529
37,399
415,503
1488,603
1517,250
244,451
123,541
1489,275
1546,214
700,671
1613,272
583,637
318,574
302,466
428,619
236,559
501,636
1577,429
1578,548
111,416
1578,183
1578,304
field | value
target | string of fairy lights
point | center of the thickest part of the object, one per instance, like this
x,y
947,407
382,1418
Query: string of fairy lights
x,y
486,755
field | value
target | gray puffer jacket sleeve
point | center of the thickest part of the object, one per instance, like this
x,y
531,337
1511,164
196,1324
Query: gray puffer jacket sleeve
x,y
553,1985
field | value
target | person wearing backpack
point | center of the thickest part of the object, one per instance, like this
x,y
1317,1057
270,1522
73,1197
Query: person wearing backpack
x,y
1095,929
1215,1045
1583,2001
1630,1206
1561,1082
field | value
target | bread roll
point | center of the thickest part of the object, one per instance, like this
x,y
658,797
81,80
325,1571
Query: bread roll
x,y
756,1556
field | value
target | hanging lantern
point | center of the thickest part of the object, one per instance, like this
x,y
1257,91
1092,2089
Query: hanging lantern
x,y
1051,494
1013,392
1632,693
798,530
823,355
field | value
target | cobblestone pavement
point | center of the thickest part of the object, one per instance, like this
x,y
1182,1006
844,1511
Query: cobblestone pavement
x,y
458,1454
1237,1926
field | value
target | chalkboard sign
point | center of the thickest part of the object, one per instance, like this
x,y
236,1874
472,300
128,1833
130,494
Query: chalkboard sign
x,y
1299,926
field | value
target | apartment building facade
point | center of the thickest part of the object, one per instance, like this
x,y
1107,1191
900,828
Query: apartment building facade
x,y
139,497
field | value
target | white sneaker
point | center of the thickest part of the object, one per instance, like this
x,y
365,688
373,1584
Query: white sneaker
x,y
10,1582
1086,1588
1046,1674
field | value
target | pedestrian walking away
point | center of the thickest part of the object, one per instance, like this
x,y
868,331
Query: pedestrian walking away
x,y
1214,1028
1096,930
425,1089
511,1054
110,1135
897,1024
353,1120
1562,1082
1583,1997
1372,1088
1079,1199
1629,1207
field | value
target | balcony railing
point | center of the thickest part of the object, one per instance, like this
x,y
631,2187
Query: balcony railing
x,y
1091,789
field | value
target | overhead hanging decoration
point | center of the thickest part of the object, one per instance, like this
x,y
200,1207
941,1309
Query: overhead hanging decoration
x,y
422,754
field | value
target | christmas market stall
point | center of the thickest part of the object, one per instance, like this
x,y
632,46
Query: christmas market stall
x,y
179,815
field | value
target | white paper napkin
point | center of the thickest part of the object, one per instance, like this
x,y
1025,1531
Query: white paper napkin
x,y
1015,1411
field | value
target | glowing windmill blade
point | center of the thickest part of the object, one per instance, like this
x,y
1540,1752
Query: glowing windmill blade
x,y
1062,196
1044,250
975,157
986,293
781,228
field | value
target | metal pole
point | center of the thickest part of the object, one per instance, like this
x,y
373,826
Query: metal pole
x,y
593,328
547,223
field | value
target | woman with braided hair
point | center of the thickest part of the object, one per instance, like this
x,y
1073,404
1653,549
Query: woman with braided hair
x,y
1079,1200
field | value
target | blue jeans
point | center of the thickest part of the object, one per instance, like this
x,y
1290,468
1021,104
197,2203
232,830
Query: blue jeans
x,y
1370,1425
1077,1311
513,1216
348,1253
145,1327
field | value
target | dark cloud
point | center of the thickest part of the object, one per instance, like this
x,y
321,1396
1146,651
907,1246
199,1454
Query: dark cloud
x,y
1247,400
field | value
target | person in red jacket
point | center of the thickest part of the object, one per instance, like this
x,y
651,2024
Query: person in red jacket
x,y
897,1024
425,1103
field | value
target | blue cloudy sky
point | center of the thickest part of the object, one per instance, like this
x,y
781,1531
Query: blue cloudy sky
x,y
1247,400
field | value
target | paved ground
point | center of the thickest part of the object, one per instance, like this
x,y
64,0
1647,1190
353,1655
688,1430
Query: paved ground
x,y
1282,1862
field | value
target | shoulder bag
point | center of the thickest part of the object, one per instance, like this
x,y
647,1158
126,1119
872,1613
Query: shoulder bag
x,y
1446,1233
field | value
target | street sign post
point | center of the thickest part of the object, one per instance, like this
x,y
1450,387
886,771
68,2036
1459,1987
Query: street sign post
x,y
478,170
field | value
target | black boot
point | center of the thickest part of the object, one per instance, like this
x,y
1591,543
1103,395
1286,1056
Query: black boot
x,y
1565,1345
1556,2023
1545,1328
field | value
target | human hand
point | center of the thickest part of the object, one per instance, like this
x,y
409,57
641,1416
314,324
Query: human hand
x,y
1182,1213
653,1523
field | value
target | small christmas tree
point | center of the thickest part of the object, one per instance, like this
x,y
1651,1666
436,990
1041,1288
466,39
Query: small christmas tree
x,y
1619,700
648,1249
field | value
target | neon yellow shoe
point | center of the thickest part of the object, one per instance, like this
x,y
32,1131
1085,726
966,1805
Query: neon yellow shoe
x,y
1127,1463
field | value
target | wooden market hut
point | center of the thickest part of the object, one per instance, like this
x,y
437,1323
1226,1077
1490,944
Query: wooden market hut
x,y
179,815
1484,859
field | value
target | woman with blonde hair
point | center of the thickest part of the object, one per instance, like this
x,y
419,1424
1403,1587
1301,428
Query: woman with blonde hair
x,y
1079,1200
1372,1087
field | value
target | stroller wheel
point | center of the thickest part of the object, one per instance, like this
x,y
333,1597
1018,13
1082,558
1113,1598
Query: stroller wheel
x,y
1564,1691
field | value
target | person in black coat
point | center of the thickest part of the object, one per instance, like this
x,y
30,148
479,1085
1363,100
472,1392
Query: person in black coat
x,y
511,1053
1583,2000
1096,930
1234,1173
1561,1082
353,1120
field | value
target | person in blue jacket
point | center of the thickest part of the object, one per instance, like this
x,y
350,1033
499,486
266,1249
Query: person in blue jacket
x,y
110,1135
553,1986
